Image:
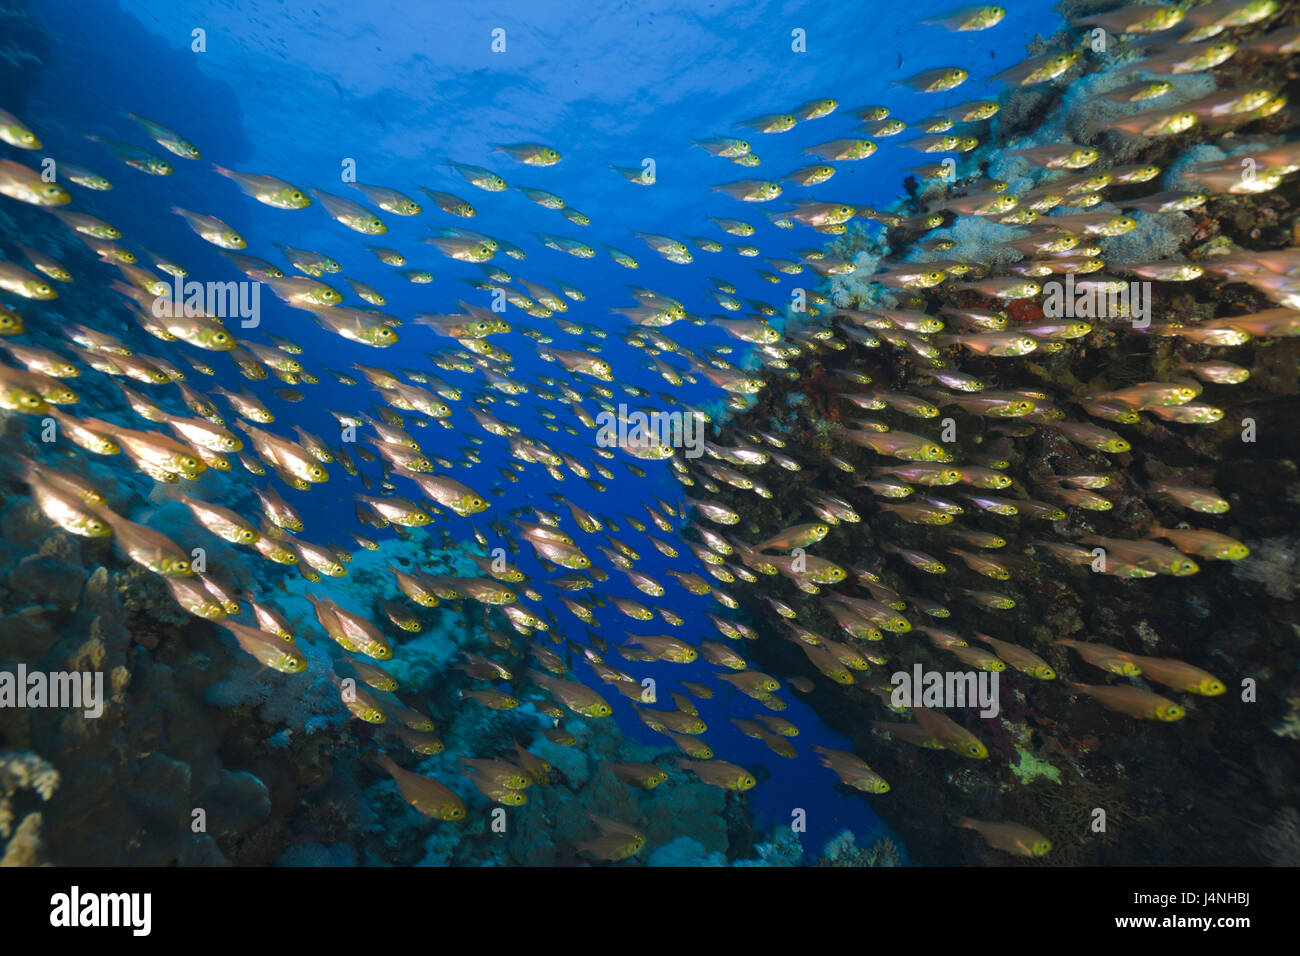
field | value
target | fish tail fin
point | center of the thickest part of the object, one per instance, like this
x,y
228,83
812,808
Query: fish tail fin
x,y
174,493
18,465
117,285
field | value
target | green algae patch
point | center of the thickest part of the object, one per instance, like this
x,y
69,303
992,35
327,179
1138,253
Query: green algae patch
x,y
1030,768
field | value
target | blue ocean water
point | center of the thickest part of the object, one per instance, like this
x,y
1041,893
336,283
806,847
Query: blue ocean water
x,y
302,91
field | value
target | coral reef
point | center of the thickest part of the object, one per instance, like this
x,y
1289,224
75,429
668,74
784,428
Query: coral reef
x,y
1272,565
22,846
203,755
1280,840
843,850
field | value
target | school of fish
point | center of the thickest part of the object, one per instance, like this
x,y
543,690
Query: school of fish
x,y
897,375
